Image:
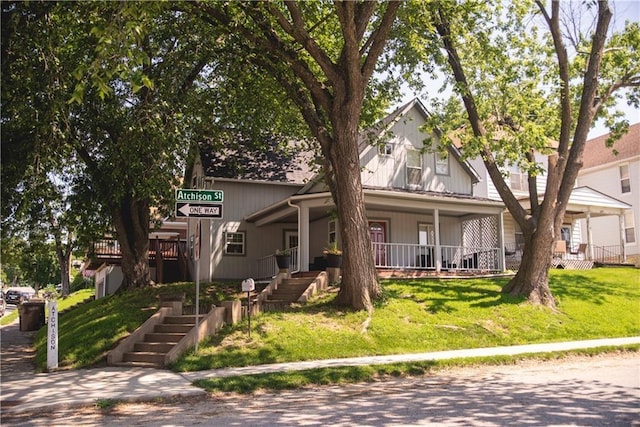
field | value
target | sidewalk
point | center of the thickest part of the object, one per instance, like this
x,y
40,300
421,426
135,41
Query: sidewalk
x,y
26,391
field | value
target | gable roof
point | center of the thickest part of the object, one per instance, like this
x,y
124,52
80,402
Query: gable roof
x,y
387,123
596,153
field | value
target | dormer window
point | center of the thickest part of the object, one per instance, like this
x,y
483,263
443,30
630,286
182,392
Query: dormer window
x,y
442,164
385,149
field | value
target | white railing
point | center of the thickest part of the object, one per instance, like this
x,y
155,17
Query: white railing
x,y
267,267
463,258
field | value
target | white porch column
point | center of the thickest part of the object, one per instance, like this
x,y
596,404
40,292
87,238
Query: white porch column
x,y
303,238
501,261
589,236
622,238
436,226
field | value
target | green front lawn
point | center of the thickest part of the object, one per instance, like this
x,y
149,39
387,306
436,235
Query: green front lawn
x,y
431,315
415,316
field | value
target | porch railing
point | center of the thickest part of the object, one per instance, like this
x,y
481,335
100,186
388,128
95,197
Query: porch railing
x,y
267,267
414,256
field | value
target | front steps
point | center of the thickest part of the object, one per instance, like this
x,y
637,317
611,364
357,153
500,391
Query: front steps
x,y
290,290
152,351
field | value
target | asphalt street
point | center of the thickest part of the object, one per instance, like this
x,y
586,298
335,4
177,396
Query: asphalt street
x,y
596,391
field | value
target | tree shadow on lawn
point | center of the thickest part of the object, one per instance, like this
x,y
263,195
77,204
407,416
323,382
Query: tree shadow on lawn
x,y
442,295
587,288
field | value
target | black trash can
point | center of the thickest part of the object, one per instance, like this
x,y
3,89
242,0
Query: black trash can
x,y
31,315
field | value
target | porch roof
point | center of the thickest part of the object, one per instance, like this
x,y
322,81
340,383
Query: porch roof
x,y
320,205
585,200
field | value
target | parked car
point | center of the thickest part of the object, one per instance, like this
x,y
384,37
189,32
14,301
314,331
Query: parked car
x,y
3,306
19,294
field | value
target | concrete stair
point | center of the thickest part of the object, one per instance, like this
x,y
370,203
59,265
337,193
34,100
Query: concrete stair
x,y
290,290
152,351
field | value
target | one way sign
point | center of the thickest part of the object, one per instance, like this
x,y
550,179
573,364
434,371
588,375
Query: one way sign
x,y
199,210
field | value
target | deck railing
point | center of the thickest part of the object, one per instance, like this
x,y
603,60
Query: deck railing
x,y
414,256
110,248
267,267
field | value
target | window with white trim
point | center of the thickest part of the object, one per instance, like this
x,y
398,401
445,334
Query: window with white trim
x,y
629,227
414,168
426,234
385,149
332,238
625,180
234,243
442,164
517,179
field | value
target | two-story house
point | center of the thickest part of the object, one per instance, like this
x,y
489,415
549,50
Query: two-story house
x,y
422,209
614,171
594,208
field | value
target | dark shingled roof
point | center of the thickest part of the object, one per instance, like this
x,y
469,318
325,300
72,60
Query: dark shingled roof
x,y
267,160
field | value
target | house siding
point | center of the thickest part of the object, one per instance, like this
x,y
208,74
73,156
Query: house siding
x,y
241,199
606,179
389,171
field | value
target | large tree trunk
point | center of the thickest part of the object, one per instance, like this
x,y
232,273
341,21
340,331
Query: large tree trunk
x,y
131,219
359,282
532,278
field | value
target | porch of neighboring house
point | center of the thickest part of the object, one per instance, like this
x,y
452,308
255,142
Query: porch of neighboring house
x,y
581,256
576,251
167,257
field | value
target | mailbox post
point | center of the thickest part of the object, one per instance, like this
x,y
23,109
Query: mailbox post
x,y
248,285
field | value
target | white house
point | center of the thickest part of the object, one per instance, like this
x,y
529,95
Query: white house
x,y
422,210
615,171
595,208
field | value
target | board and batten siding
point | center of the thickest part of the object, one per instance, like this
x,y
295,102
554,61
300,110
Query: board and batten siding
x,y
240,200
384,170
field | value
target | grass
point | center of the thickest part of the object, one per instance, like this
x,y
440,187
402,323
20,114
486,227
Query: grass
x,y
414,316
432,315
87,333
63,304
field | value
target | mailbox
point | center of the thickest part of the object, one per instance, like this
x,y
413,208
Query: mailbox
x,y
248,285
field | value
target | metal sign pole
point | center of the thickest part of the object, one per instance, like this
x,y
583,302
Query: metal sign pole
x,y
197,251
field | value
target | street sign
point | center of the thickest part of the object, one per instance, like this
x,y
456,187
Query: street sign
x,y
199,210
200,196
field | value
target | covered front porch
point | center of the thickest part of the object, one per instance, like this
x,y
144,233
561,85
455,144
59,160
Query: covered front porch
x,y
419,231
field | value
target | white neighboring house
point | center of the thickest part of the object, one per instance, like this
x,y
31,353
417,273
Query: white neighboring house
x,y
616,172
421,208
591,202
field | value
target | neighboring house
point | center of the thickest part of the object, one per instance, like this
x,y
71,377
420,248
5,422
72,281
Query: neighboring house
x,y
616,172
590,202
421,207
168,258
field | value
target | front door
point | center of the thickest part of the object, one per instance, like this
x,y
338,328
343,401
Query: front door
x,y
378,233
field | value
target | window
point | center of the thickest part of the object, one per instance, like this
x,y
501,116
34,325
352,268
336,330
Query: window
x,y
629,228
517,179
290,239
426,234
414,168
234,243
442,164
385,149
332,238
625,181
